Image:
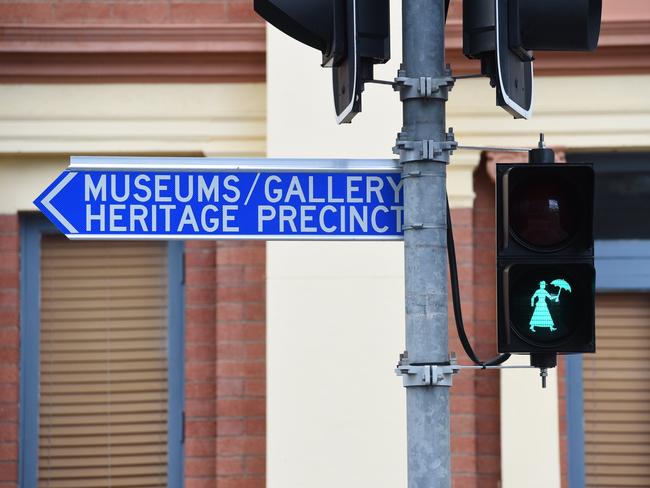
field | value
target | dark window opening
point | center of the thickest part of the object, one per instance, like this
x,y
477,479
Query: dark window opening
x,y
622,193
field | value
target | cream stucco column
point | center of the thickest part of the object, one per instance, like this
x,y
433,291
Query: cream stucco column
x,y
335,314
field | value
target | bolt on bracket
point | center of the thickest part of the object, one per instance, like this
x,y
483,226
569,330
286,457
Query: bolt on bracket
x,y
424,374
423,86
424,150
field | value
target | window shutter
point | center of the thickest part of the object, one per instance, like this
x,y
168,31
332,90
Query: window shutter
x,y
103,364
617,394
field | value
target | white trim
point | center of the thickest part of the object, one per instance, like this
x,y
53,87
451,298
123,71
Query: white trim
x,y
119,163
346,111
214,237
526,114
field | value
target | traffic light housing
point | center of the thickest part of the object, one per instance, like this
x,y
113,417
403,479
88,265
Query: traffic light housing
x,y
352,35
504,33
545,259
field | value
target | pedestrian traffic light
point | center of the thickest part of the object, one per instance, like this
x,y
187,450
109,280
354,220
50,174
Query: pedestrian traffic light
x,y
545,260
352,36
504,33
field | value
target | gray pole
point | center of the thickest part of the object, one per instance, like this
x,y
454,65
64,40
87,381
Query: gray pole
x,y
423,146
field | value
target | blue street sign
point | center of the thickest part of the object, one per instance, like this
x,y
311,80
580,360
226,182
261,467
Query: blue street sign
x,y
208,198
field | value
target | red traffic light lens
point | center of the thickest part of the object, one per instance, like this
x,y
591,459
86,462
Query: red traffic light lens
x,y
544,212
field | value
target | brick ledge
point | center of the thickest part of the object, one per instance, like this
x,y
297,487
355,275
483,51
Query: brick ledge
x,y
163,53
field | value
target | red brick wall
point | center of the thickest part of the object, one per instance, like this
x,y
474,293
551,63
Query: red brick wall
x,y
241,364
225,364
126,12
487,382
200,364
475,428
9,349
463,393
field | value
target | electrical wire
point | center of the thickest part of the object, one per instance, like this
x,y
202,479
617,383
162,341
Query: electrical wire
x,y
455,289
455,293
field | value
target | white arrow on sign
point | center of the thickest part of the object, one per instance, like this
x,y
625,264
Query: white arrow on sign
x,y
47,202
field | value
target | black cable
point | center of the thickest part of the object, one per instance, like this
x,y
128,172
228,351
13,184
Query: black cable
x,y
455,293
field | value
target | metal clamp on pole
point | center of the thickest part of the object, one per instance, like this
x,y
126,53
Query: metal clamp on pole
x,y
429,374
424,150
422,226
423,86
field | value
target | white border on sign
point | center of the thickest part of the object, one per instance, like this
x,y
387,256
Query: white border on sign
x,y
214,237
126,163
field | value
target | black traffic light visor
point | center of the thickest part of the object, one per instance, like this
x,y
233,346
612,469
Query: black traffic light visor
x,y
309,21
514,75
554,25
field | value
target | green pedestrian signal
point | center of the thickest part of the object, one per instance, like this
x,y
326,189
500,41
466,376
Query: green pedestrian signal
x,y
541,315
545,264
562,285
545,313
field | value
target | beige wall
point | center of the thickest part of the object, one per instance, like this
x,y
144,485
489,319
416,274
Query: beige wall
x,y
530,454
22,178
41,125
335,311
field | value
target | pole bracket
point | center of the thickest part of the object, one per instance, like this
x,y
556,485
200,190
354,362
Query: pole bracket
x,y
423,86
422,226
425,150
425,374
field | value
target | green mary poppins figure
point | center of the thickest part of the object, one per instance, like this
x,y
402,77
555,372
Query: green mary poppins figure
x,y
541,315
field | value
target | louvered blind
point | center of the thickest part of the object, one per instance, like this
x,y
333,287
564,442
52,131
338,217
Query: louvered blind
x,y
617,394
103,364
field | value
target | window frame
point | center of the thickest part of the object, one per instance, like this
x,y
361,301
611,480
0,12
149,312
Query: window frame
x,y
613,263
615,272
32,227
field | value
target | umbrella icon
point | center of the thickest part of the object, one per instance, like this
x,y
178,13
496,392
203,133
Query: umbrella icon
x,y
562,285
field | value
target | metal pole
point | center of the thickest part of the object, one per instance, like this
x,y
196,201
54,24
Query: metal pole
x,y
423,146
